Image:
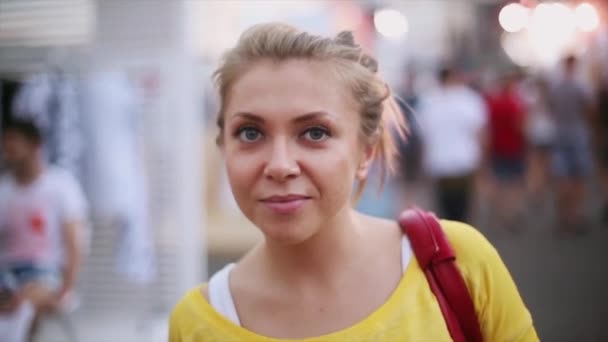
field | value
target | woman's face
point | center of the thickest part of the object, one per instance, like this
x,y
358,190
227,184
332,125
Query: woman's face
x,y
292,148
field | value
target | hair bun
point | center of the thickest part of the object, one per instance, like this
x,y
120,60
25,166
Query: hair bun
x,y
369,62
346,38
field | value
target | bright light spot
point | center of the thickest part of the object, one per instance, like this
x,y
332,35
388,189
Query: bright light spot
x,y
517,48
552,30
563,17
390,23
586,17
555,19
513,17
542,18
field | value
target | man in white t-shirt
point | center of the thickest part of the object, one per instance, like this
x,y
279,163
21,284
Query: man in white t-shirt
x,y
42,210
452,121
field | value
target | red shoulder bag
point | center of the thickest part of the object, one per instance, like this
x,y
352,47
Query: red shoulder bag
x,y
436,257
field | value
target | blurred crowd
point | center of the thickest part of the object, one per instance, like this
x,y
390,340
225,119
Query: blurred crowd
x,y
519,141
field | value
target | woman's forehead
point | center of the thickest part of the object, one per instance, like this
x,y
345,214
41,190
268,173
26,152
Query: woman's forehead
x,y
298,86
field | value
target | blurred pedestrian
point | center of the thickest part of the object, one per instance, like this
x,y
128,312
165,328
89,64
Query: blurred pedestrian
x,y
602,145
540,132
410,149
453,124
507,149
42,211
571,104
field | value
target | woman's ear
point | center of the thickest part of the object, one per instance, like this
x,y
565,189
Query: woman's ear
x,y
366,160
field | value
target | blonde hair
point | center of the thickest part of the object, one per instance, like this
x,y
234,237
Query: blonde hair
x,y
380,114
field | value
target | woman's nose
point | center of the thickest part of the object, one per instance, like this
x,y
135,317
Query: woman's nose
x,y
282,164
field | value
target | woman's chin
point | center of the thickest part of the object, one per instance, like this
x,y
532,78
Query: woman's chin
x,y
285,233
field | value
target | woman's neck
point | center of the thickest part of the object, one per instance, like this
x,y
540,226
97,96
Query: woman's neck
x,y
336,246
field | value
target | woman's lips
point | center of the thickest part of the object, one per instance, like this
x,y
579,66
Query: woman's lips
x,y
283,205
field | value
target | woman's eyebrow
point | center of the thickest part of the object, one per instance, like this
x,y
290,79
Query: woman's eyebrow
x,y
300,119
313,116
248,116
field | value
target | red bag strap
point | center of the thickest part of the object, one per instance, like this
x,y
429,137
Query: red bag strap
x,y
436,257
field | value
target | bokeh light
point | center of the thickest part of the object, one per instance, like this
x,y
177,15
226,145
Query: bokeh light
x,y
513,17
390,23
587,18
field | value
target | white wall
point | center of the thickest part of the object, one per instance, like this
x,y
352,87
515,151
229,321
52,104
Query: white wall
x,y
140,35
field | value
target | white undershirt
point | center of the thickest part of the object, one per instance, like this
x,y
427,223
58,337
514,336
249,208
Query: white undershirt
x,y
221,300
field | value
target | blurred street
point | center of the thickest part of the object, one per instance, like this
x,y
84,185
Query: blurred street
x,y
507,103
561,280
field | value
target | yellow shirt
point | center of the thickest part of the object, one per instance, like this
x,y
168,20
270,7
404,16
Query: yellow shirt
x,y
411,313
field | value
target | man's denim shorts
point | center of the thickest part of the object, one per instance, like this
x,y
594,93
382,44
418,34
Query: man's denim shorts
x,y
18,275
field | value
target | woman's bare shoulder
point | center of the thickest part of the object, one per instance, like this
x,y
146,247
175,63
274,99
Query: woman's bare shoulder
x,y
385,228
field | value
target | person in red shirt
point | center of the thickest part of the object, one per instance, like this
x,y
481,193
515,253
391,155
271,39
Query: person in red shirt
x,y
507,151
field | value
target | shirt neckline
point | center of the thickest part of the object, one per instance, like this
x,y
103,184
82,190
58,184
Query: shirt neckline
x,y
361,327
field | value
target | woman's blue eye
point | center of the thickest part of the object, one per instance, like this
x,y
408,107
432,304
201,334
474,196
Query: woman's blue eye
x,y
316,134
249,134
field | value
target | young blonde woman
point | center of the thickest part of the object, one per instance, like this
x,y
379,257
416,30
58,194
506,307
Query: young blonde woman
x,y
302,118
